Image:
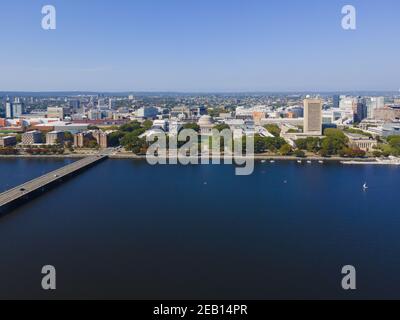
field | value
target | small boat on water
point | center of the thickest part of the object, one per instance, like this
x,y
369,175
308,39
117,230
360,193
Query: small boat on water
x,y
299,161
309,162
272,161
321,162
263,161
365,186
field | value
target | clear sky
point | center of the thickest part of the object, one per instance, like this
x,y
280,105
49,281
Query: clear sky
x,y
199,45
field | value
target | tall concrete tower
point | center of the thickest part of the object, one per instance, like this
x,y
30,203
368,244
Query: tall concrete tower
x,y
313,116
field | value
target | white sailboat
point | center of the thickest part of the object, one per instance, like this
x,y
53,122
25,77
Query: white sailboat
x,y
365,186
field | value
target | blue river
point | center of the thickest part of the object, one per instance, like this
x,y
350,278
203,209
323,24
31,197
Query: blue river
x,y
125,229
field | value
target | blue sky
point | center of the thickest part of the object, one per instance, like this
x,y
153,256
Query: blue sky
x,y
199,45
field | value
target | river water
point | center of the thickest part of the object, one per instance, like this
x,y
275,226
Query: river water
x,y
125,229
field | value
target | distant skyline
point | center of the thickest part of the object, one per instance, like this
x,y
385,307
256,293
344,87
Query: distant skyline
x,y
199,46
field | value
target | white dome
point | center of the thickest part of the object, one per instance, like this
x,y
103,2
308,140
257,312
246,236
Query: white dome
x,y
205,121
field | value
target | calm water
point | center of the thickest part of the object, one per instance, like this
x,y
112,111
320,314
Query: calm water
x,y
124,229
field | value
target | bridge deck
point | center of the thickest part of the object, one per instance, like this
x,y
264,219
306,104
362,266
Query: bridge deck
x,y
25,189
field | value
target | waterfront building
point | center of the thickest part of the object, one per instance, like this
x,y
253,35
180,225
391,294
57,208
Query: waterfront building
x,y
55,137
361,142
31,137
101,138
81,138
313,117
9,141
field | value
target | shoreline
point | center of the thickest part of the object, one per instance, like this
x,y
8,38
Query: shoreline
x,y
127,156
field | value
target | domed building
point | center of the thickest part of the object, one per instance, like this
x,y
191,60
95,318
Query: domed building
x,y
206,124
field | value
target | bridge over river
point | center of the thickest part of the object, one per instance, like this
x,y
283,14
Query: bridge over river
x,y
22,193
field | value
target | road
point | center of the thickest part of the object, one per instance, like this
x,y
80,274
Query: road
x,y
25,189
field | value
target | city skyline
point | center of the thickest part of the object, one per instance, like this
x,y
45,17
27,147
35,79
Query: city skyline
x,y
177,46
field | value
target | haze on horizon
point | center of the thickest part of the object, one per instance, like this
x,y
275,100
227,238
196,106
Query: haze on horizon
x,y
200,46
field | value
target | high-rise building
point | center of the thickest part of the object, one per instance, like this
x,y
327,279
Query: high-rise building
x,y
75,104
17,108
361,110
348,105
14,109
374,103
55,112
313,116
95,114
9,110
336,101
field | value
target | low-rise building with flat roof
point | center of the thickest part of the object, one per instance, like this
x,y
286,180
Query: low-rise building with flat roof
x,y
55,137
31,137
9,141
361,142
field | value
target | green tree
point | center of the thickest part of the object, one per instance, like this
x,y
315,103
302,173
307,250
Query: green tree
x,y
131,126
285,150
334,141
273,129
147,124
192,126
299,153
132,142
221,127
114,138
